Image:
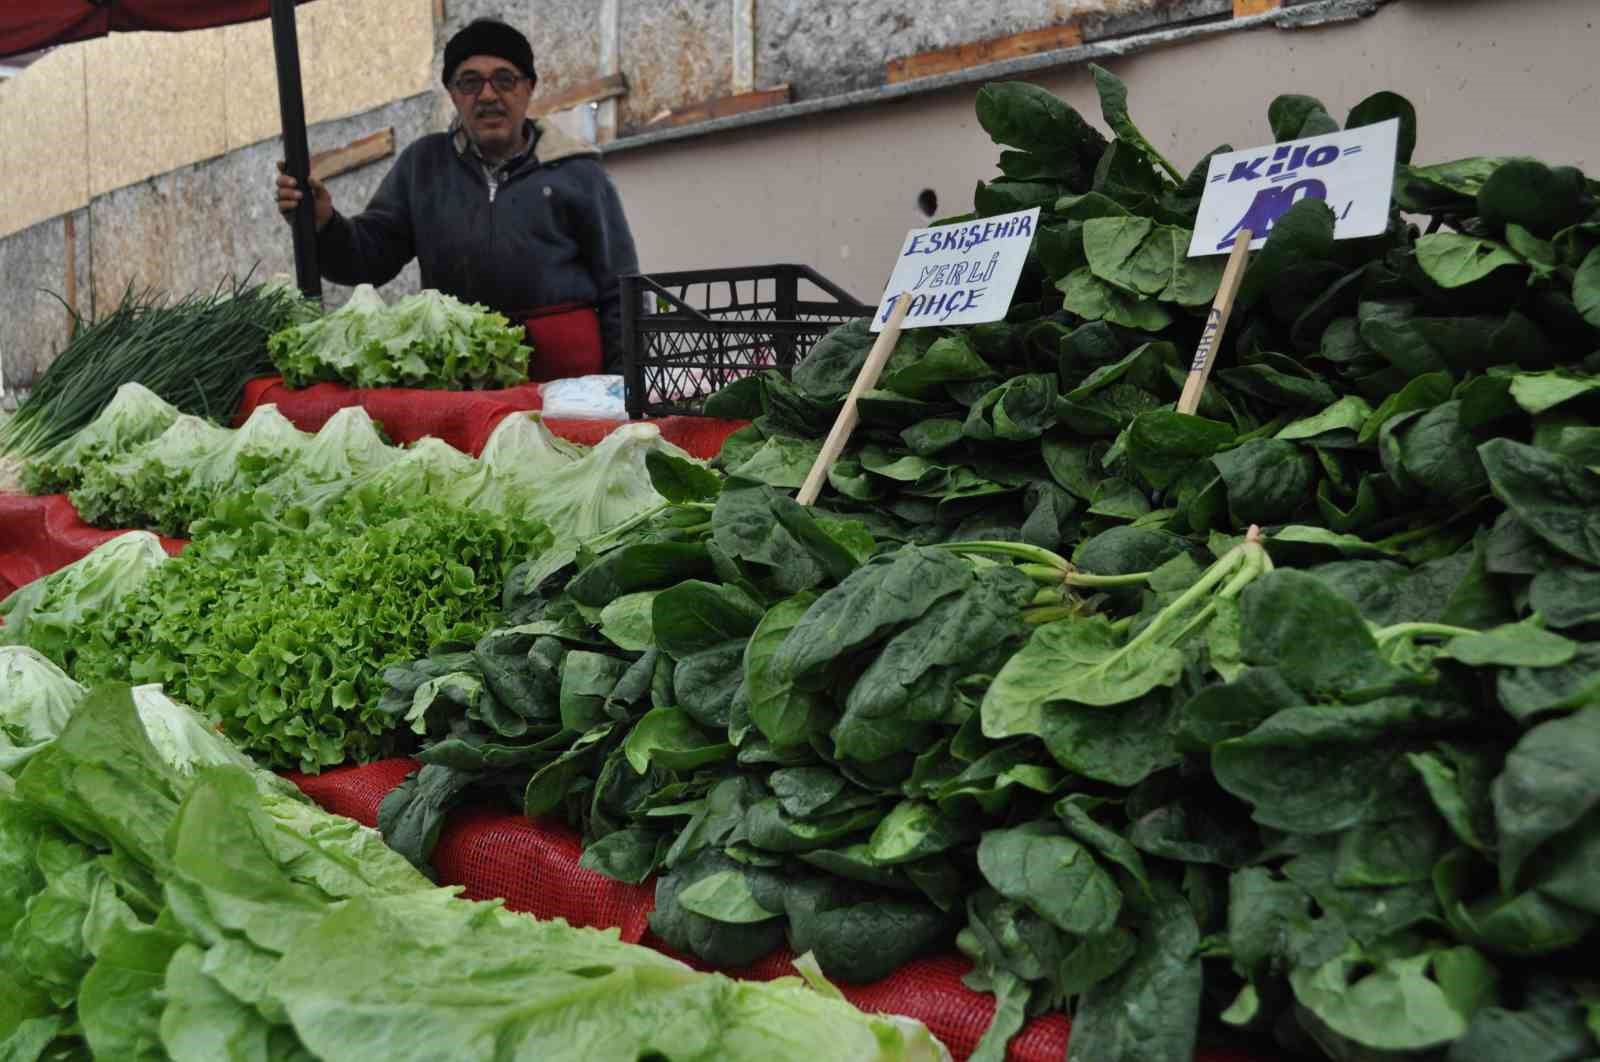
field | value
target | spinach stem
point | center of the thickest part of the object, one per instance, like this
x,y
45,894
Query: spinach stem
x,y
1091,581
1041,573
1420,630
1174,613
1043,566
1016,550
1255,564
1037,617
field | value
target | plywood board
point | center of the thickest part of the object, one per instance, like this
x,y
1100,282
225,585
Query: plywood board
x,y
44,168
155,103
354,155
964,56
676,53
354,56
726,106
600,88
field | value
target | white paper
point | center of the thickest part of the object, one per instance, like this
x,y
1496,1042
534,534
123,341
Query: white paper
x,y
960,274
1352,171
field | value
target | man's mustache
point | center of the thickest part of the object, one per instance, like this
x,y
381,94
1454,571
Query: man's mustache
x,y
484,112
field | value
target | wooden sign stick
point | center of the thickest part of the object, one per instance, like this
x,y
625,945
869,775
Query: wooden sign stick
x,y
1216,324
866,379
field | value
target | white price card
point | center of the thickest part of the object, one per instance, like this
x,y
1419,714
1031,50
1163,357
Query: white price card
x,y
960,274
1351,171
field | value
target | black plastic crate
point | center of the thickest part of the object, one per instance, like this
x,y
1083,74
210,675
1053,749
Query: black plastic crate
x,y
714,326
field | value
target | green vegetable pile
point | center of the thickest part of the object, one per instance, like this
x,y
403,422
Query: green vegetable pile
x,y
425,340
282,614
282,632
172,480
1279,725
142,464
162,899
195,353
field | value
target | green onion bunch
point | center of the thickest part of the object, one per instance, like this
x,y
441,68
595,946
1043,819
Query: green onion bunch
x,y
195,352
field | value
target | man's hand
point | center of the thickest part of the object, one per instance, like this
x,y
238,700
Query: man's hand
x,y
289,196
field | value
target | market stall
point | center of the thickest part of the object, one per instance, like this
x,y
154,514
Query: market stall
x,y
1203,647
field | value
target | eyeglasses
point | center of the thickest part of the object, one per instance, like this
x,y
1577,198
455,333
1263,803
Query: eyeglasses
x,y
504,81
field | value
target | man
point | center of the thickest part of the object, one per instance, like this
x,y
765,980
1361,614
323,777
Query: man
x,y
499,210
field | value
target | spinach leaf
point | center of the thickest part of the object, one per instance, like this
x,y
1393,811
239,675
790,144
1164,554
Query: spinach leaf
x,y
724,896
680,480
1551,781
1149,1010
1093,299
884,592
1142,258
1397,1006
1342,661
859,942
1526,692
1123,746
669,738
645,566
914,830
723,944
785,713
1053,875
1453,260
1553,497
1267,481
1114,108
1320,769
696,615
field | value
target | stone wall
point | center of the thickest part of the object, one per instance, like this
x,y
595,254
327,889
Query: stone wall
x,y
820,49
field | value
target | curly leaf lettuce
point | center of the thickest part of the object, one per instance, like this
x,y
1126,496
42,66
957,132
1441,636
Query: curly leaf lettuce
x,y
426,340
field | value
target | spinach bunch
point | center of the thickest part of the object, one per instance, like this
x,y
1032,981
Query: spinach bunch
x,y
1274,724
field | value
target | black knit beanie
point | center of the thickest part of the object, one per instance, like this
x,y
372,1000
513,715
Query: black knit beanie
x,y
488,37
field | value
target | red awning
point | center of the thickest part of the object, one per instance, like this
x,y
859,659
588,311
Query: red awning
x,y
27,27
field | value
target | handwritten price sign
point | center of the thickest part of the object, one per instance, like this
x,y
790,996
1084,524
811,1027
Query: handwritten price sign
x,y
1352,171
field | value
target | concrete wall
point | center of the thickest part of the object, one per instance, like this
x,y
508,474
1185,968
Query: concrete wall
x,y
838,191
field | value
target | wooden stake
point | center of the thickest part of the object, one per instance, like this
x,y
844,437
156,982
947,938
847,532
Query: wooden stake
x,y
1216,324
866,379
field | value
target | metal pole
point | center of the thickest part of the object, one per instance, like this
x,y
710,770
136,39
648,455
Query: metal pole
x,y
296,155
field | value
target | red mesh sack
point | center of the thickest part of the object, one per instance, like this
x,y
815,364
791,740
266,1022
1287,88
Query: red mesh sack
x,y
700,436
354,792
70,539
21,535
464,419
39,535
533,866
307,408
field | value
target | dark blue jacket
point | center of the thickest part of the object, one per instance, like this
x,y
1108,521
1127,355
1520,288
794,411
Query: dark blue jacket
x,y
551,232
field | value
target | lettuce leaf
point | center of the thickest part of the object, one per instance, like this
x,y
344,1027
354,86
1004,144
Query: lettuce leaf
x,y
134,415
36,700
49,613
425,340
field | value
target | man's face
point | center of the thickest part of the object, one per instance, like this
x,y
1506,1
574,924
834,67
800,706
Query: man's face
x,y
492,116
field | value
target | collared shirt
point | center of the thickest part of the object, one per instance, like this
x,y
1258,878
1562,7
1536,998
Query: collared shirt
x,y
494,172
